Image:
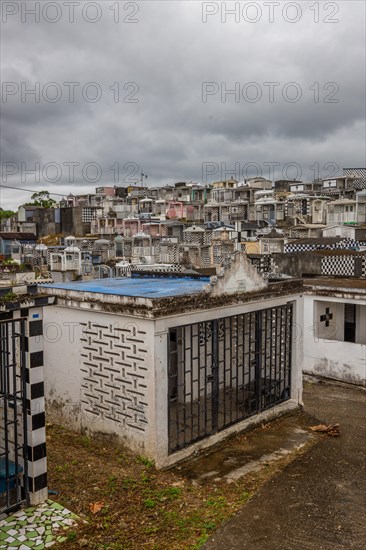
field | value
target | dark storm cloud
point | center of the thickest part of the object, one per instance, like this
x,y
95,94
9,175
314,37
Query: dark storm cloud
x,y
170,131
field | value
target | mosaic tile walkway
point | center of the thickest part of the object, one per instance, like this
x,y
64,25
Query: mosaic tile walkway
x,y
37,527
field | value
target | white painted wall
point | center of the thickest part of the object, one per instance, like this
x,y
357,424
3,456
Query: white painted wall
x,y
325,353
94,386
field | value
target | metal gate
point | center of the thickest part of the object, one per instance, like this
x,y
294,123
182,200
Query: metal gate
x,y
13,427
225,370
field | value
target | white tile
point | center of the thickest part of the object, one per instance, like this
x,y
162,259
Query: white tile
x,y
30,526
19,515
36,437
37,468
37,405
68,521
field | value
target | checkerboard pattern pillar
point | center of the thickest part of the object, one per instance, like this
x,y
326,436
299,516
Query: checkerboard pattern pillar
x,y
36,422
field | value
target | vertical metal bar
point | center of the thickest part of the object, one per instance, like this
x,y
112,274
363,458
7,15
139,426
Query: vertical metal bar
x,y
265,366
180,436
191,370
282,352
237,412
6,404
224,370
267,387
230,321
177,414
23,367
270,335
215,372
269,351
182,377
15,335
198,359
168,396
209,354
204,332
290,350
258,362
251,359
228,375
207,382
276,347
248,317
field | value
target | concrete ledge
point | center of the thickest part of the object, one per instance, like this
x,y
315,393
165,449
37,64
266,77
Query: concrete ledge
x,y
315,378
212,440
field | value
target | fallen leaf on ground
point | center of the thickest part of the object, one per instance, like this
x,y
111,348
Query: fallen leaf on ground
x,y
96,507
329,429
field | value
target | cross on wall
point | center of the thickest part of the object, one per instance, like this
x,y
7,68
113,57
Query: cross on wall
x,y
327,317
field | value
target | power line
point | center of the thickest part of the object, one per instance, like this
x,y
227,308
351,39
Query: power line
x,y
29,190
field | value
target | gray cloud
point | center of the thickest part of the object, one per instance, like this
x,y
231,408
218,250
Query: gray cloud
x,y
169,53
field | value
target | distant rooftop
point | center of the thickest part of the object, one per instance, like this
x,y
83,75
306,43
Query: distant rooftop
x,y
11,235
138,286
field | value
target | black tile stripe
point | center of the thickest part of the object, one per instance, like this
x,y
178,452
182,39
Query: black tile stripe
x,y
37,452
37,483
5,315
37,390
38,421
36,359
35,328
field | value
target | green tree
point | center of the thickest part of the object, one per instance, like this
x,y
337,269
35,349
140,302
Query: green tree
x,y
43,199
5,214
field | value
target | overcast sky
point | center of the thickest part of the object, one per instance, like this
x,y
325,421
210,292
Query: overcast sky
x,y
167,123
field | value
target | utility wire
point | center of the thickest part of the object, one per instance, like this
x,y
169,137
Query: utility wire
x,y
29,190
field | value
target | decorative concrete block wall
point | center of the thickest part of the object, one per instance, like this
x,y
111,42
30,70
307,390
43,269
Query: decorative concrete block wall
x,y
113,367
99,376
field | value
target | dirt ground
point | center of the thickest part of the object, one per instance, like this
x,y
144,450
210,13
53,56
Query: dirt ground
x,y
319,500
311,497
125,503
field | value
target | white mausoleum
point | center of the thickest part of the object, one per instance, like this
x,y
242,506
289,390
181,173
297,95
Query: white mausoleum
x,y
171,364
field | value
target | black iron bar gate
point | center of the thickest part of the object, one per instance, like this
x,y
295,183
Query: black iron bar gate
x,y
13,426
225,370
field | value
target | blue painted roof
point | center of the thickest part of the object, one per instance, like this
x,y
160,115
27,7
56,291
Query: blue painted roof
x,y
138,286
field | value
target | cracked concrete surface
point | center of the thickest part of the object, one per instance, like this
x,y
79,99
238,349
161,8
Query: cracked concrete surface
x,y
319,500
251,451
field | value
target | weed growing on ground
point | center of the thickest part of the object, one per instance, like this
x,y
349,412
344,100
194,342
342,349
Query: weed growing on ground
x,y
142,507
145,461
